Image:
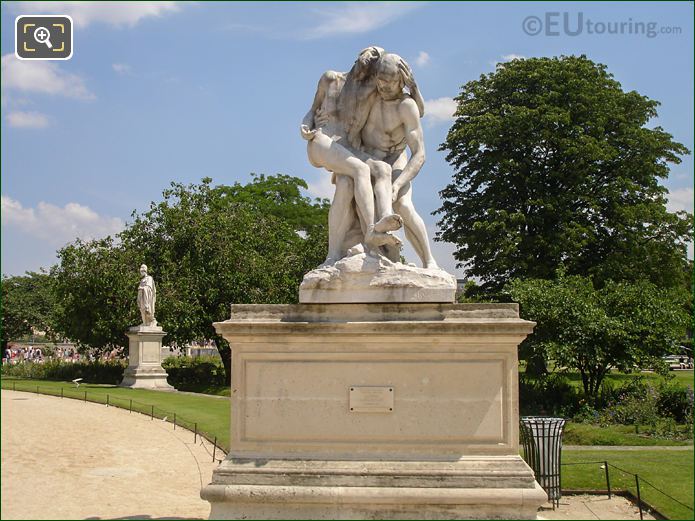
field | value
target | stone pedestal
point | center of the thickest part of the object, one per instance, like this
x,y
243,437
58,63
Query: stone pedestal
x,y
374,411
145,369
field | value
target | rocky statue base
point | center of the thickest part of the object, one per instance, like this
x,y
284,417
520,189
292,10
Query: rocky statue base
x,y
374,411
366,278
145,369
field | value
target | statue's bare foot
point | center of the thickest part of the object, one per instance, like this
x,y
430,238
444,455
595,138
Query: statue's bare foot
x,y
355,250
389,223
431,264
330,261
375,239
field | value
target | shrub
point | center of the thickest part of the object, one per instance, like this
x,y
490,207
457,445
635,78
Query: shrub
x,y
633,403
187,373
97,372
633,410
675,401
551,394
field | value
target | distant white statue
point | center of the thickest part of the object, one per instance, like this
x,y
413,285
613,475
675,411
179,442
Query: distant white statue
x,y
147,296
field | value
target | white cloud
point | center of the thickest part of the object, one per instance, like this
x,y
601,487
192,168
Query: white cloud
x,y
121,68
323,187
357,17
20,119
510,57
57,225
680,199
117,14
507,58
42,77
422,59
440,110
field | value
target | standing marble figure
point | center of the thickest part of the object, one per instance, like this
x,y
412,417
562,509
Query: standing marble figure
x,y
147,296
145,369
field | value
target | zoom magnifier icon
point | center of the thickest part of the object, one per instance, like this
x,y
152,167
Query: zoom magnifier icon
x,y
43,35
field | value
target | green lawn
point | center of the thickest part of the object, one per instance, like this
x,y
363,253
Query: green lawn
x,y
668,470
589,434
213,390
212,414
684,377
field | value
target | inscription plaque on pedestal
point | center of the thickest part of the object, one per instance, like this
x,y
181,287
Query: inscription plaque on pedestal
x,y
371,399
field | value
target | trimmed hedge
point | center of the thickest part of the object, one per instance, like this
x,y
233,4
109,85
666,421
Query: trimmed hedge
x,y
98,372
185,373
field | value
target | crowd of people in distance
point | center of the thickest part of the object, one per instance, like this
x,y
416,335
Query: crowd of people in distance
x,y
17,354
20,353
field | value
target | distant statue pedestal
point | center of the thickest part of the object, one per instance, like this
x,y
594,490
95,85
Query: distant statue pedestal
x,y
145,369
374,411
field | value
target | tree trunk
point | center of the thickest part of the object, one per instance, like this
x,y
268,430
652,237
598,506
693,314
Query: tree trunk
x,y
585,382
226,354
535,365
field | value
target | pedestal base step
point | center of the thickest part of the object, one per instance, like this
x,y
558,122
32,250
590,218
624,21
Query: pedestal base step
x,y
286,502
471,488
142,379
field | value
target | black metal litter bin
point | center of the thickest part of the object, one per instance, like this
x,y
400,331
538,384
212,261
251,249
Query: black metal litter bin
x,y
542,441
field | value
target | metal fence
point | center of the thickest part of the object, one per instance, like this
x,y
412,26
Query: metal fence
x,y
638,482
132,406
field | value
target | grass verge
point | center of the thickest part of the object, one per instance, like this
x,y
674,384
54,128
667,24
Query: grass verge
x,y
589,434
683,377
670,471
213,390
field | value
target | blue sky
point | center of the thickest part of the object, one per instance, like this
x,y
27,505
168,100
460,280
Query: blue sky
x,y
174,91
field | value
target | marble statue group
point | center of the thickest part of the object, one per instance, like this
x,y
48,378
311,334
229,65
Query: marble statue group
x,y
360,127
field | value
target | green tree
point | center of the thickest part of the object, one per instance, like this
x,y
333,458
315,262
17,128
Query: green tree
x,y
280,195
207,248
27,306
622,325
554,165
95,293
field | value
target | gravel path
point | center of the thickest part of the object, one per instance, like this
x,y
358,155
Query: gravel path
x,y
585,506
66,459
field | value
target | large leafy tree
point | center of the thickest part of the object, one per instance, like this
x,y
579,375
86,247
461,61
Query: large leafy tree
x,y
554,165
621,325
95,293
27,306
206,247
